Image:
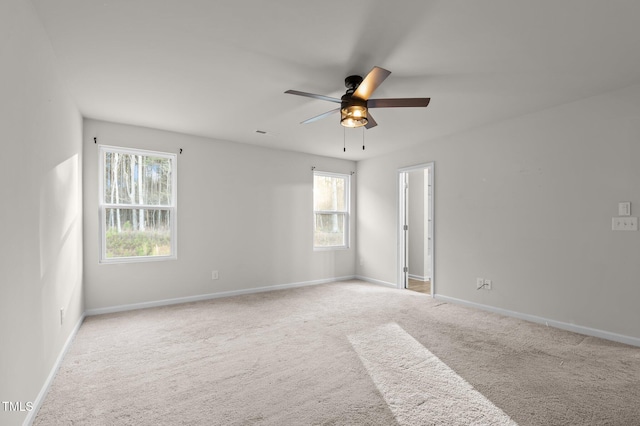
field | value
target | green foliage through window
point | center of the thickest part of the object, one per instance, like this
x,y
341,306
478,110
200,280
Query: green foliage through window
x,y
331,210
137,203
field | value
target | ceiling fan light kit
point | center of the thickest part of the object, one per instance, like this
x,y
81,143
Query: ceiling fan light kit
x,y
353,111
353,114
355,103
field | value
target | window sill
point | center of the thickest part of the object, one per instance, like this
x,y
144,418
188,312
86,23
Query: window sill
x,y
140,259
332,248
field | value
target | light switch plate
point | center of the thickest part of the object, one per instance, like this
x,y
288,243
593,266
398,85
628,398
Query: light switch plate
x,y
624,223
624,208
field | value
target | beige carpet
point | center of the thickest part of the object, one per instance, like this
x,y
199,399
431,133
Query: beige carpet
x,y
418,387
308,356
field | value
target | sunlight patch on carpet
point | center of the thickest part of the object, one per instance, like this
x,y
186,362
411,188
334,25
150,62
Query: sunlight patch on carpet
x,y
417,386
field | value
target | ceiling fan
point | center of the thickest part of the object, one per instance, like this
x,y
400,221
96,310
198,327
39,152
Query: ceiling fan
x,y
355,103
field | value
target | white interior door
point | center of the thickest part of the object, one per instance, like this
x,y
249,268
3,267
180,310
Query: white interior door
x,y
404,228
428,234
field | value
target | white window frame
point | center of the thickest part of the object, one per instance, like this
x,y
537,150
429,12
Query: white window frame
x,y
346,212
102,206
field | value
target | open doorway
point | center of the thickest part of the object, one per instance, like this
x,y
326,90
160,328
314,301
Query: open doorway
x,y
415,228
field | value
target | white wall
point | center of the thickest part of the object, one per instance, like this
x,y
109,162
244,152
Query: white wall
x,y
243,210
41,213
527,203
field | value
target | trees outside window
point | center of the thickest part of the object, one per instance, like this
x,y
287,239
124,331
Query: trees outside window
x,y
331,210
137,205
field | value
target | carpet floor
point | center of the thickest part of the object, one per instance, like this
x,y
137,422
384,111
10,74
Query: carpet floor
x,y
347,353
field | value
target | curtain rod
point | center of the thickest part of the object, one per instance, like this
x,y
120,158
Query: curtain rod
x,y
313,169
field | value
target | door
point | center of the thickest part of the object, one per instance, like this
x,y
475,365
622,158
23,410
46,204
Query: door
x,y
416,227
405,230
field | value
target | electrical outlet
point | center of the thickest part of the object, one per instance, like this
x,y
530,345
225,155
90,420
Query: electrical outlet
x,y
61,316
479,283
487,284
214,275
622,223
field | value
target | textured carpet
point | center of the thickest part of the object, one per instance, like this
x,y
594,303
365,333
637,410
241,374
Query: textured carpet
x,y
418,387
299,356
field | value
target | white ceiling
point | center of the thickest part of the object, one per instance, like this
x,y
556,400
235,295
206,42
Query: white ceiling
x,y
219,68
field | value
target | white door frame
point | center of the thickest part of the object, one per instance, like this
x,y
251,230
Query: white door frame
x,y
402,214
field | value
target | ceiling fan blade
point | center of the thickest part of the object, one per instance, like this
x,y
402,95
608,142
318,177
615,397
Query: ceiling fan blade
x,y
398,102
321,116
370,122
313,95
371,82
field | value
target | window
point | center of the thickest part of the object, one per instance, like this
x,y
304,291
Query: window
x,y
330,210
137,205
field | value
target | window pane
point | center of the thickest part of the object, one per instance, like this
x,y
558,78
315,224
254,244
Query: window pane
x,y
137,232
329,230
329,193
137,179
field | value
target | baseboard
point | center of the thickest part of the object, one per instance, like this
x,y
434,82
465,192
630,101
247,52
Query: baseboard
x,y
418,277
634,341
209,296
31,415
374,281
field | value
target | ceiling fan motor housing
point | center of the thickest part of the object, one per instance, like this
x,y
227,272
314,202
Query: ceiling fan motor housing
x,y
352,82
349,101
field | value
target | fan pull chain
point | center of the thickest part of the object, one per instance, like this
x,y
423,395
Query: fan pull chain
x,y
344,139
363,138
